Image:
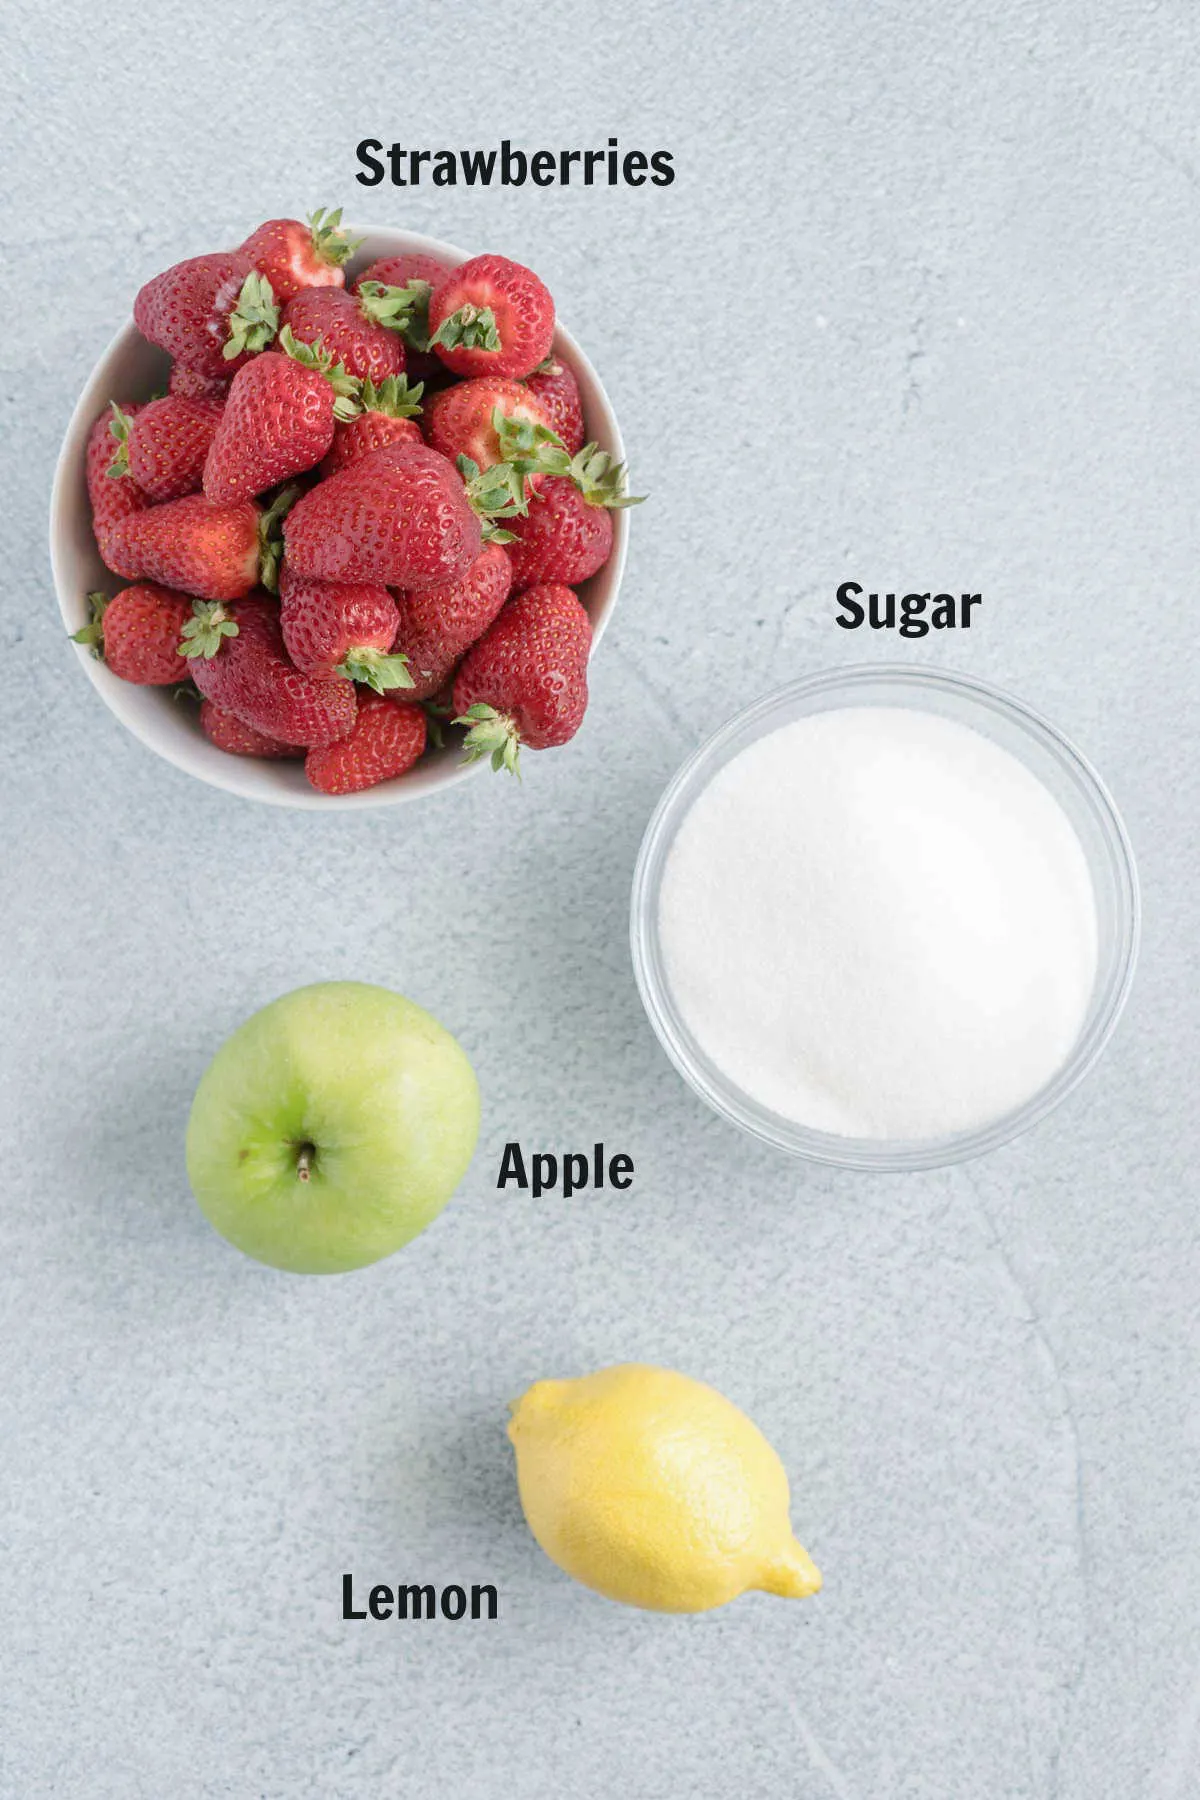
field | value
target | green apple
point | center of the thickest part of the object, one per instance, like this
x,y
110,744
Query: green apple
x,y
331,1128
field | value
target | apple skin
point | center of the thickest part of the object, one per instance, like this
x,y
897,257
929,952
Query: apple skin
x,y
382,1094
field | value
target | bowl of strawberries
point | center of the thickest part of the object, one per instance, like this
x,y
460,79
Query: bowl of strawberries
x,y
340,518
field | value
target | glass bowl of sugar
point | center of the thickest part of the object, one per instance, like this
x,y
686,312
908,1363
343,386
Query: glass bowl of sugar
x,y
885,918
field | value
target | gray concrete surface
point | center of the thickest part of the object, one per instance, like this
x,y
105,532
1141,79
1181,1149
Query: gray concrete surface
x,y
921,309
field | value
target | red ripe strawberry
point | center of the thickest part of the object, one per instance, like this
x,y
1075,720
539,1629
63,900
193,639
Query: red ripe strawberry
x,y
239,662
227,732
401,517
416,275
278,420
211,311
555,386
460,421
193,384
342,627
137,633
567,532
293,255
350,329
386,418
562,538
112,499
491,317
439,623
193,544
387,738
525,681
164,448
398,271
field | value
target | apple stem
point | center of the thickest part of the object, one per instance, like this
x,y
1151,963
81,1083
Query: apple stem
x,y
304,1162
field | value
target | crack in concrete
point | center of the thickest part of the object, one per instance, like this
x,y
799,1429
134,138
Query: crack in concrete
x,y
1083,1555
660,698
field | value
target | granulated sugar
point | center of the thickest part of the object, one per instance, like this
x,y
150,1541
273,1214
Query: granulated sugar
x,y
878,923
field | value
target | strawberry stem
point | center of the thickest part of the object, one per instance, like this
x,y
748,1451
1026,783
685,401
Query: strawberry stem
x,y
254,320
403,309
207,629
376,668
119,426
470,328
329,242
531,448
393,397
599,479
270,535
494,734
348,388
495,493
91,635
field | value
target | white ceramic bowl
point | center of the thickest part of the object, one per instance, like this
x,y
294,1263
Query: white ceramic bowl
x,y
131,369
1051,757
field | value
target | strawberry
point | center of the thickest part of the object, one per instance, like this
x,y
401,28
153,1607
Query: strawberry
x,y
417,275
567,533
111,500
387,738
193,384
164,448
462,420
239,662
278,420
555,387
194,544
562,538
525,681
491,317
439,623
399,271
386,418
227,732
351,328
342,627
210,312
294,256
400,516
137,633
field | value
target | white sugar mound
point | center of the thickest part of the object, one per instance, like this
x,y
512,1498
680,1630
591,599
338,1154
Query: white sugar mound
x,y
880,924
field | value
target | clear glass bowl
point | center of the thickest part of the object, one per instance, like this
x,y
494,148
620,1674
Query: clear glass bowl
x,y
1017,729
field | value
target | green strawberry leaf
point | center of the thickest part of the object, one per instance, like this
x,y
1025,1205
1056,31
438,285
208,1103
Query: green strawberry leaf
x,y
403,309
492,734
348,388
207,629
254,320
119,426
377,669
599,479
532,448
470,328
329,242
91,635
270,534
495,493
393,397
309,356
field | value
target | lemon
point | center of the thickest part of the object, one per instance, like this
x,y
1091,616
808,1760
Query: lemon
x,y
655,1490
